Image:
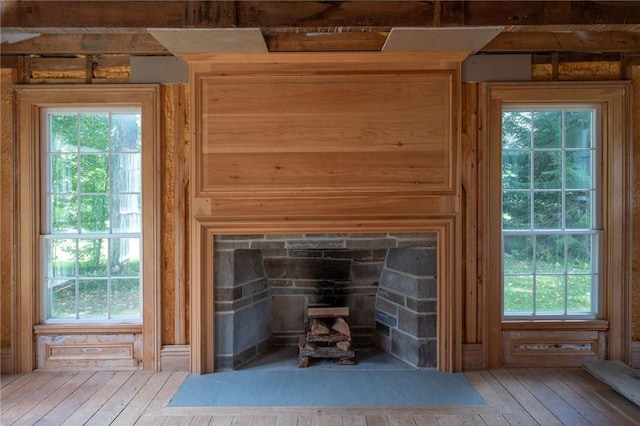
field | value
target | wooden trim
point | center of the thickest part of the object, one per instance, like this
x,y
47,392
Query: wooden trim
x,y
87,328
29,101
449,286
175,358
599,325
635,355
614,99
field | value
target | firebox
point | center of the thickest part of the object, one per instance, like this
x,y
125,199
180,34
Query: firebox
x,y
264,285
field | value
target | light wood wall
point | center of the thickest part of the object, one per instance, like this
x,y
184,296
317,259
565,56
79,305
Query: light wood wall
x,y
175,187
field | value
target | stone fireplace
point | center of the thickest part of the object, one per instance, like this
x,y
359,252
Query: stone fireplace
x,y
264,284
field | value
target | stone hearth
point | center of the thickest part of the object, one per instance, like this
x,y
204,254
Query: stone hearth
x,y
264,284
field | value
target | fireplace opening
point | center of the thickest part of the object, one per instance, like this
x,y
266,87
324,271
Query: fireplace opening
x,y
264,285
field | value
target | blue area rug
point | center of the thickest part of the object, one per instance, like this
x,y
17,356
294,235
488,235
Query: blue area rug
x,y
377,379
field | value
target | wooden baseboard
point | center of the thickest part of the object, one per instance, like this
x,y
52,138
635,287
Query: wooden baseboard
x,y
473,357
175,358
6,361
635,354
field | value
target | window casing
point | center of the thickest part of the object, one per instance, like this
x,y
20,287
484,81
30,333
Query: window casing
x,y
91,214
551,218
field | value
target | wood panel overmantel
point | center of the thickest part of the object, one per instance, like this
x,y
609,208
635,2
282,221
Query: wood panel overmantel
x,y
325,143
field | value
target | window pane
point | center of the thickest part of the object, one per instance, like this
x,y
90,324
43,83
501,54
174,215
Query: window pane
x,y
550,294
578,169
579,249
516,210
578,210
516,170
518,294
547,210
92,298
125,298
518,254
549,254
60,257
125,171
578,133
124,257
516,130
126,132
579,293
94,132
547,169
62,298
92,257
94,173
126,213
94,213
547,129
64,213
64,173
63,133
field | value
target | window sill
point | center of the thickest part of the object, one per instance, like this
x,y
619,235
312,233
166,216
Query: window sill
x,y
88,329
519,325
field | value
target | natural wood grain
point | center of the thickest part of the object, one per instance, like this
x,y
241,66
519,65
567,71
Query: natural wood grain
x,y
320,133
139,397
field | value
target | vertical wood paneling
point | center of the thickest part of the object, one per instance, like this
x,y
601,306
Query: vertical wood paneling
x,y
174,152
635,213
7,214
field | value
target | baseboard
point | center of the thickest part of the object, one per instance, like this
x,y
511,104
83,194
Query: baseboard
x,y
473,357
6,361
175,358
635,354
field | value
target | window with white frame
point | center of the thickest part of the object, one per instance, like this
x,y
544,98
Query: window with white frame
x,y
91,214
551,222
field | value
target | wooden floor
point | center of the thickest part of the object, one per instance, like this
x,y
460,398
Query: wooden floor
x,y
514,396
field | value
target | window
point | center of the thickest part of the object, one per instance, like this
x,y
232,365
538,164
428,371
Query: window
x,y
583,130
551,223
92,213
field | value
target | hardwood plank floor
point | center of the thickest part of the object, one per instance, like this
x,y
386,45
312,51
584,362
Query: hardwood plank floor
x,y
519,396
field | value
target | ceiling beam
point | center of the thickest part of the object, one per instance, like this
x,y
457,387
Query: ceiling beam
x,y
141,14
505,42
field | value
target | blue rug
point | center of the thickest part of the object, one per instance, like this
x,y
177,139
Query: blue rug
x,y
377,379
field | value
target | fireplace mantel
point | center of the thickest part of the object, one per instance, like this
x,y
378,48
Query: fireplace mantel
x,y
325,143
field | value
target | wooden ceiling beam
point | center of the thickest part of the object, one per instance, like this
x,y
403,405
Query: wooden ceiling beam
x,y
506,42
142,14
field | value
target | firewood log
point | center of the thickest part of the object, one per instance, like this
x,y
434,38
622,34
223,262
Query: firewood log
x,y
318,327
341,326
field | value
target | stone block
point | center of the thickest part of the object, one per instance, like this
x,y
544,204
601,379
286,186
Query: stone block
x,y
361,310
366,270
428,354
410,286
405,347
417,325
347,254
311,268
371,243
386,306
426,306
258,286
386,319
267,245
305,253
252,325
288,313
247,266
223,274
418,262
315,244
391,296
224,333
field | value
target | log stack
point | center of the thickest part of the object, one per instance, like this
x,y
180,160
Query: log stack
x,y
327,335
